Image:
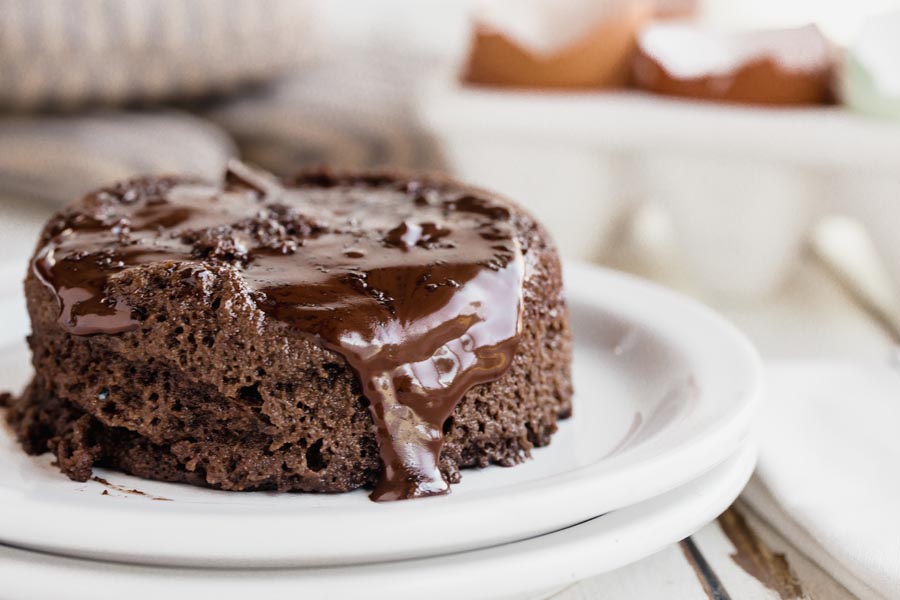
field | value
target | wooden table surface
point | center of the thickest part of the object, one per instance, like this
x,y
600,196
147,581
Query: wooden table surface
x,y
821,313
838,305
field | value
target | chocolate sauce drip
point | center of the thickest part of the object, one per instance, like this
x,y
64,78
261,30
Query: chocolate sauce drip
x,y
419,288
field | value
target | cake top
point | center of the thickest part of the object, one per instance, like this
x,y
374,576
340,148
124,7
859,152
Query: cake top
x,y
416,283
688,51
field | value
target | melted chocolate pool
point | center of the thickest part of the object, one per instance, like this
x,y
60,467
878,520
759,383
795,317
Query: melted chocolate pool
x,y
418,287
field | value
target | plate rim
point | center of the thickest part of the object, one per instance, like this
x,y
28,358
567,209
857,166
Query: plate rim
x,y
549,561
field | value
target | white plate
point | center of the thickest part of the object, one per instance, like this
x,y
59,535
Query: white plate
x,y
665,392
532,568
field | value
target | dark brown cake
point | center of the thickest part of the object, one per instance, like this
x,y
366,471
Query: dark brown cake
x,y
318,334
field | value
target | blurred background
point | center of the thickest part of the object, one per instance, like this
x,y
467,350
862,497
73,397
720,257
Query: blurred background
x,y
747,153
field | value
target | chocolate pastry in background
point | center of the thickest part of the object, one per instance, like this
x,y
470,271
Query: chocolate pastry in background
x,y
322,333
578,43
675,9
777,67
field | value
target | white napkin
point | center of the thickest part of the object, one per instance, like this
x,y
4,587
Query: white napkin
x,y
828,476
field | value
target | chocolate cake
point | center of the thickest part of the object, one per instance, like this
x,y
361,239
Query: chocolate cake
x,y
777,67
322,333
590,46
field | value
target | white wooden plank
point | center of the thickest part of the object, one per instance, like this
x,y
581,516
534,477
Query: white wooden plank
x,y
720,553
666,574
816,582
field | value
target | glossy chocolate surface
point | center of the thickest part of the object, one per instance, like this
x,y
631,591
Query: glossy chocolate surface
x,y
417,285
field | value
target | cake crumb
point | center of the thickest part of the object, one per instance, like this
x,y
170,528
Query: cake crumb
x,y
125,490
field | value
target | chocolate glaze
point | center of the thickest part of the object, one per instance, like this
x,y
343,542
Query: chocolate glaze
x,y
417,285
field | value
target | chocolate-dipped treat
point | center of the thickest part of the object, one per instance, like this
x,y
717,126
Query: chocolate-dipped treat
x,y
675,9
574,44
322,333
774,67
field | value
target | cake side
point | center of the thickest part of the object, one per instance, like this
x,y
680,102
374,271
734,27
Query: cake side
x,y
211,390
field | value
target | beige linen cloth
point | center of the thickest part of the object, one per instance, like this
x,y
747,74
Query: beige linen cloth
x,y
64,53
335,103
58,57
57,158
350,107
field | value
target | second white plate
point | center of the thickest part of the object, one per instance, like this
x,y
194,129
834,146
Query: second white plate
x,y
665,391
526,570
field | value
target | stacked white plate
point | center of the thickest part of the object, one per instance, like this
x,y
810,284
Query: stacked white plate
x,y
658,447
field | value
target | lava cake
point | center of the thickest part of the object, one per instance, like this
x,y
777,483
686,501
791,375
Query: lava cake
x,y
320,333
